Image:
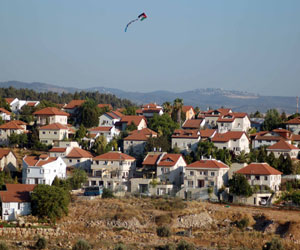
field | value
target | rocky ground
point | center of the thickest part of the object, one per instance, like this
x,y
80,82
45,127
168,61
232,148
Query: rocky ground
x,y
105,223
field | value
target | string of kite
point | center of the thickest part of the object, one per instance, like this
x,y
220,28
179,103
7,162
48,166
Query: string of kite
x,y
141,17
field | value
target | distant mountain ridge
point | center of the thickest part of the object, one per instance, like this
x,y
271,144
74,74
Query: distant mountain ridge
x,y
203,98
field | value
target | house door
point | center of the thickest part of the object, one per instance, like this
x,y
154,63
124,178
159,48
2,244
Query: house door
x,y
200,183
36,181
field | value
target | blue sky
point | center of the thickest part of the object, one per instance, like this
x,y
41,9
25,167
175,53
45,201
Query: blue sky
x,y
249,45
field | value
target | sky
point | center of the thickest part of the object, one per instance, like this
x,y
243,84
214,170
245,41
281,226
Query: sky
x,y
245,45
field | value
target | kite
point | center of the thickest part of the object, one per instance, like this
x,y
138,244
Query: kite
x,y
141,17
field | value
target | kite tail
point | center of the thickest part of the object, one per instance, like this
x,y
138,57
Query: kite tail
x,y
130,23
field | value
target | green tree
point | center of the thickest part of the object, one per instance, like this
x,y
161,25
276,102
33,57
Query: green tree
x,y
239,186
167,108
159,143
107,193
272,120
130,110
205,149
78,178
81,132
4,104
49,202
41,243
131,127
100,145
177,107
88,113
3,246
164,125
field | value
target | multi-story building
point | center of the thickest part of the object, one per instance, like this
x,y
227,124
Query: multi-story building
x,y
51,115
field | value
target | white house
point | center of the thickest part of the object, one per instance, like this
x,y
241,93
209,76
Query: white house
x,y
136,140
109,119
148,110
13,103
5,115
233,122
15,201
283,148
211,116
42,169
170,169
204,174
293,125
185,139
9,128
139,121
51,115
54,132
16,104
8,160
269,138
63,148
232,140
108,132
262,174
79,158
112,170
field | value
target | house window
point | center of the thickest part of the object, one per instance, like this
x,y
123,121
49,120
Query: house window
x,y
42,171
28,171
55,133
192,173
70,160
44,132
190,183
212,183
167,170
266,178
257,177
78,160
212,173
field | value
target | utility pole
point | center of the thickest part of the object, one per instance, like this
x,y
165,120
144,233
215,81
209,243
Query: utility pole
x,y
297,103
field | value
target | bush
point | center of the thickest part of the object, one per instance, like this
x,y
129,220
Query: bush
x,y
120,246
170,204
163,231
81,245
183,245
41,243
3,246
243,223
107,193
168,246
163,219
274,244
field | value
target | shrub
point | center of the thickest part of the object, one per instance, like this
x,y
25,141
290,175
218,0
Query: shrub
x,y
168,246
183,245
3,246
163,231
107,193
120,246
170,204
243,223
274,244
81,245
41,243
163,219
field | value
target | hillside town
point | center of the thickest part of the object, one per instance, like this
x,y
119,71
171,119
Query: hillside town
x,y
167,150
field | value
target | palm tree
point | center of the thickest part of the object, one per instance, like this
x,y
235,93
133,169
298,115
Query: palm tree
x,y
177,106
167,106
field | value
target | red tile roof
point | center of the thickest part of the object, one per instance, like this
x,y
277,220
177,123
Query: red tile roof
x,y
51,111
258,169
136,119
9,100
32,104
295,121
207,133
4,152
150,105
100,129
74,104
13,125
140,135
151,159
79,153
38,161
282,145
207,164
187,108
225,137
151,110
2,110
103,105
295,137
54,126
17,193
58,150
114,156
169,160
192,124
186,133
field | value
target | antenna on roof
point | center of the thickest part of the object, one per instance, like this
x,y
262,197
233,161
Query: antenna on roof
x,y
297,103
159,149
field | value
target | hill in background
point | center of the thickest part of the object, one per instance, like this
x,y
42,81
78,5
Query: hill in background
x,y
203,98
